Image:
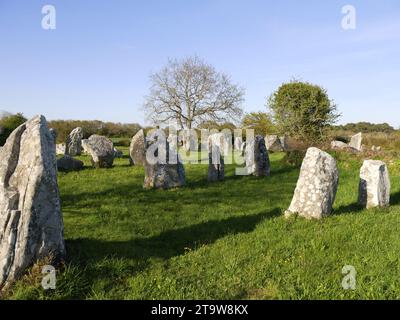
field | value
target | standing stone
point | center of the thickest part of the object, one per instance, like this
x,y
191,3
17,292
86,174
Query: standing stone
x,y
257,158
84,144
73,145
216,167
238,143
317,185
374,187
31,224
164,170
137,149
273,143
102,151
356,142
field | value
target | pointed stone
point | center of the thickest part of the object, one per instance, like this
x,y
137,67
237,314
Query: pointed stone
x,y
257,158
73,145
31,224
216,167
374,187
356,142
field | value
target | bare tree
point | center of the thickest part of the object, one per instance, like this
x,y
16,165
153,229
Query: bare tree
x,y
190,92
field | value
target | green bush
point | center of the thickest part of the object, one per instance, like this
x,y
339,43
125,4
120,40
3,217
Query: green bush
x,y
8,125
294,158
303,111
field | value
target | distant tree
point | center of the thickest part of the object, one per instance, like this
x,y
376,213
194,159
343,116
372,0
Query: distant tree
x,y
8,124
190,92
303,111
366,127
109,129
217,126
260,122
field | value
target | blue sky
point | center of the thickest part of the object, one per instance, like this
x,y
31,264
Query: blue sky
x,y
96,64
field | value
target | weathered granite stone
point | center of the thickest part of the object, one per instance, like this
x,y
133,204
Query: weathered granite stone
x,y
60,149
67,163
374,187
216,167
31,224
163,166
257,158
84,144
317,185
137,149
356,142
238,143
273,143
341,146
73,145
102,151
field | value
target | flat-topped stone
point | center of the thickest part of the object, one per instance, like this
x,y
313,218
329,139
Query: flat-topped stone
x,y
374,187
256,157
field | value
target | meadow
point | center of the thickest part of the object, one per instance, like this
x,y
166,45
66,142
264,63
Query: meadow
x,y
225,240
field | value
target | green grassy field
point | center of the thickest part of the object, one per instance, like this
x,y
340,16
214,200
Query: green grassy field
x,y
224,240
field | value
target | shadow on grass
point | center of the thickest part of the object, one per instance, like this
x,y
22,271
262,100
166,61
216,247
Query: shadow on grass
x,y
395,199
167,244
348,209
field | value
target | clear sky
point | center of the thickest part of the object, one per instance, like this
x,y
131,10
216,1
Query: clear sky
x,y
96,64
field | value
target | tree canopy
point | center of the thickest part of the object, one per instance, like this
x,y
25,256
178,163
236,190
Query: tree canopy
x,y
303,110
191,92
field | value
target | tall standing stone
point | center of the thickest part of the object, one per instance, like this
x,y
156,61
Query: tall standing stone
x,y
216,166
31,224
73,145
137,149
374,187
356,142
257,158
102,151
317,185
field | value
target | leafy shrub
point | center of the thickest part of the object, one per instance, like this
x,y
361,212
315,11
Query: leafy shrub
x,y
108,129
294,158
303,110
8,125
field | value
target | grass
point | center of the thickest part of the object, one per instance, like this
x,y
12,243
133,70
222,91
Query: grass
x,y
224,240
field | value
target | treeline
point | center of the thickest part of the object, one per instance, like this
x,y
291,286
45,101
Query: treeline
x,y
366,127
108,129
